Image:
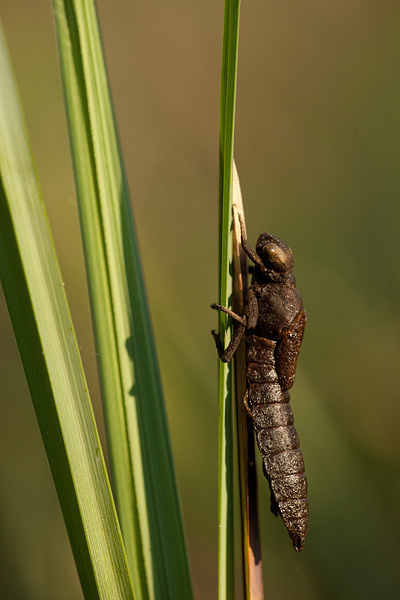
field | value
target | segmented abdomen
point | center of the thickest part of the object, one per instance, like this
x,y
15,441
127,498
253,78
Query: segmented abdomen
x,y
277,438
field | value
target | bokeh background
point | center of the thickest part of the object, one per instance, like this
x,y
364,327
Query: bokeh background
x,y
318,153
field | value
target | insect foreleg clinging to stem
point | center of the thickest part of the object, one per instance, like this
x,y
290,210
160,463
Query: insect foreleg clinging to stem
x,y
246,246
227,354
230,312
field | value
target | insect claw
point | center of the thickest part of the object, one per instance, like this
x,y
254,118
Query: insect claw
x,y
218,344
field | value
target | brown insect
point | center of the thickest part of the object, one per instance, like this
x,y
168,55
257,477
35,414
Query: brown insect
x,y
273,323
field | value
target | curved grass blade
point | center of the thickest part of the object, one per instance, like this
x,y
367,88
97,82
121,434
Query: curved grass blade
x,y
226,461
39,313
140,453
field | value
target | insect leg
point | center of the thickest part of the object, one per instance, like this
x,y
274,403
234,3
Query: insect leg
x,y
226,355
241,320
247,248
220,348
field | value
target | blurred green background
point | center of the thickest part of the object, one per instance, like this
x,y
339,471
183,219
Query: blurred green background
x,y
318,154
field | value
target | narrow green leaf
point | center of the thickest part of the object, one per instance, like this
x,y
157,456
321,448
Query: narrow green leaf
x,y
137,432
226,461
39,312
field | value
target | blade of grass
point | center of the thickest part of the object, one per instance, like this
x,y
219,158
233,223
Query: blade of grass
x,y
137,431
39,313
226,463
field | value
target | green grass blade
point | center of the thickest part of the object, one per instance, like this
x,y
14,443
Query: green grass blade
x,y
39,312
226,461
137,432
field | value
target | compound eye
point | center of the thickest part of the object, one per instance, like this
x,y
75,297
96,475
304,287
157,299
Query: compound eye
x,y
270,250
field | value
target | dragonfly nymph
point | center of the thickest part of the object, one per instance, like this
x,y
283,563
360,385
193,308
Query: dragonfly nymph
x,y
273,323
